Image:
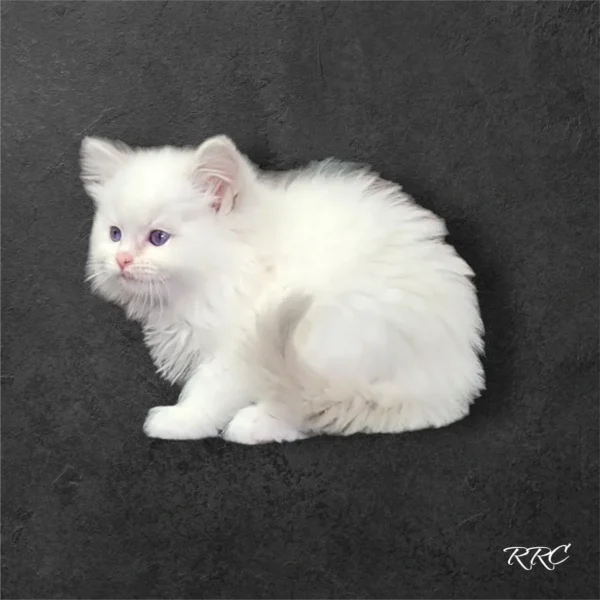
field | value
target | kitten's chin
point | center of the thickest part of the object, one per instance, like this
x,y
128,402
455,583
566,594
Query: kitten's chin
x,y
130,284
136,287
125,291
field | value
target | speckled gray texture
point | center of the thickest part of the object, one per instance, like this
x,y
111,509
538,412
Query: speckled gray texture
x,y
487,112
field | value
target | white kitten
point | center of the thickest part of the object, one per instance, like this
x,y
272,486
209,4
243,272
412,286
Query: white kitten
x,y
322,300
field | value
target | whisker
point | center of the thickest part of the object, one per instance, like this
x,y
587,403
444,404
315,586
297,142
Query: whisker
x,y
164,300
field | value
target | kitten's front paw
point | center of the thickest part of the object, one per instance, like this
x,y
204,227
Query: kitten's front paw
x,y
177,423
254,425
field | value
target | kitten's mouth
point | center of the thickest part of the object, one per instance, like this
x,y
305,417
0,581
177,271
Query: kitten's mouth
x,y
128,278
133,280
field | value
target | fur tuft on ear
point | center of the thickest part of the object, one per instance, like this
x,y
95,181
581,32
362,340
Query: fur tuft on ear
x,y
218,171
100,159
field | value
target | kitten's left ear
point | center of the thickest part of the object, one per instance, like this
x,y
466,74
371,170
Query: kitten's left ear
x,y
219,169
100,159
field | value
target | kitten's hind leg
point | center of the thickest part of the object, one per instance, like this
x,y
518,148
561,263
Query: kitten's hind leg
x,y
256,425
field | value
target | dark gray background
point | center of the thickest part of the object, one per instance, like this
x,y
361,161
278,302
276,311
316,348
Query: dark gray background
x,y
488,114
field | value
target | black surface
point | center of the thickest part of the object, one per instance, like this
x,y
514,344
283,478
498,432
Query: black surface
x,y
488,114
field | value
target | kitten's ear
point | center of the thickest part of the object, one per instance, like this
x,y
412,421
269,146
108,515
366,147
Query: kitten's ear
x,y
218,170
100,159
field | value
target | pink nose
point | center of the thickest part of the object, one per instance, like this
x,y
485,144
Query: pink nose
x,y
123,259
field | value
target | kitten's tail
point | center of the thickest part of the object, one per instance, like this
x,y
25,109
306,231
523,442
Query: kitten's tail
x,y
288,384
276,355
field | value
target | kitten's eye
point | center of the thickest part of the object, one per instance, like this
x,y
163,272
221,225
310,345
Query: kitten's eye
x,y
158,237
115,234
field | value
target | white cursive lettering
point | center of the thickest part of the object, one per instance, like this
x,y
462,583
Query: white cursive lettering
x,y
536,555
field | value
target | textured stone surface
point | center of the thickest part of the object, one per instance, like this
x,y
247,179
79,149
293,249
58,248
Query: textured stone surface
x,y
488,114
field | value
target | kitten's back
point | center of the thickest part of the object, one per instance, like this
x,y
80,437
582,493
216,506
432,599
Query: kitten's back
x,y
330,220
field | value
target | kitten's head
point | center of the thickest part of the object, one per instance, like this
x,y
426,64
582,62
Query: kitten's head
x,y
159,216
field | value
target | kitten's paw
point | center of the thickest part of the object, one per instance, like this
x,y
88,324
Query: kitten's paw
x,y
177,423
254,425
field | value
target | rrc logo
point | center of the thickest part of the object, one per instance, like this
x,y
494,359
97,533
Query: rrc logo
x,y
538,555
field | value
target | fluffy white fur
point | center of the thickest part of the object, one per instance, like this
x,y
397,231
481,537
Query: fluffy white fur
x,y
318,301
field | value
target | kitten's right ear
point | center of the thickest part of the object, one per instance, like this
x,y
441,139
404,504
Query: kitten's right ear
x,y
100,159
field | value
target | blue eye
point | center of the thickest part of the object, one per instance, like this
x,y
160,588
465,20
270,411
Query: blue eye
x,y
115,234
158,237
